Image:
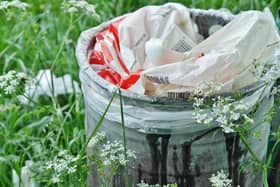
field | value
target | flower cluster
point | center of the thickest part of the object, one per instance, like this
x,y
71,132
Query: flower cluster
x,y
63,163
207,88
220,180
223,112
108,157
271,73
15,4
98,138
12,82
73,6
143,184
265,72
113,154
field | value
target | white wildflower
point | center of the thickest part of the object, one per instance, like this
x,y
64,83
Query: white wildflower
x,y
241,106
99,137
14,82
10,75
208,120
79,3
226,108
228,128
72,169
4,5
49,165
234,115
19,4
72,10
73,6
55,178
222,120
143,184
91,9
3,84
113,153
223,112
220,180
266,72
10,89
199,116
62,153
198,102
15,4
2,78
207,88
62,164
21,75
11,82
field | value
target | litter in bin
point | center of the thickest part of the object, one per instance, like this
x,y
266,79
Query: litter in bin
x,y
161,50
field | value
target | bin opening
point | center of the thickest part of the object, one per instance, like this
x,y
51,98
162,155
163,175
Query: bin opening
x,y
171,50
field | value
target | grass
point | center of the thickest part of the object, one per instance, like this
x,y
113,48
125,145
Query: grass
x,y
44,37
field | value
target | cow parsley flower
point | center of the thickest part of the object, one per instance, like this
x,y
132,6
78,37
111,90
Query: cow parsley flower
x,y
198,102
55,179
207,88
13,4
72,10
143,184
72,169
12,82
220,180
99,137
10,89
113,154
64,163
223,112
22,99
269,71
73,6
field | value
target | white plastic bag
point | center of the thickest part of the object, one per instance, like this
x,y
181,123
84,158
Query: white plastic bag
x,y
226,57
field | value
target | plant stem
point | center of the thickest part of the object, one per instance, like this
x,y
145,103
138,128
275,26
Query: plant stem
x,y
98,125
271,153
124,140
244,141
255,158
264,176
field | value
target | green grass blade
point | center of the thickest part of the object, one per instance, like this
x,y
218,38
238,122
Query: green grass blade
x,y
98,125
124,139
